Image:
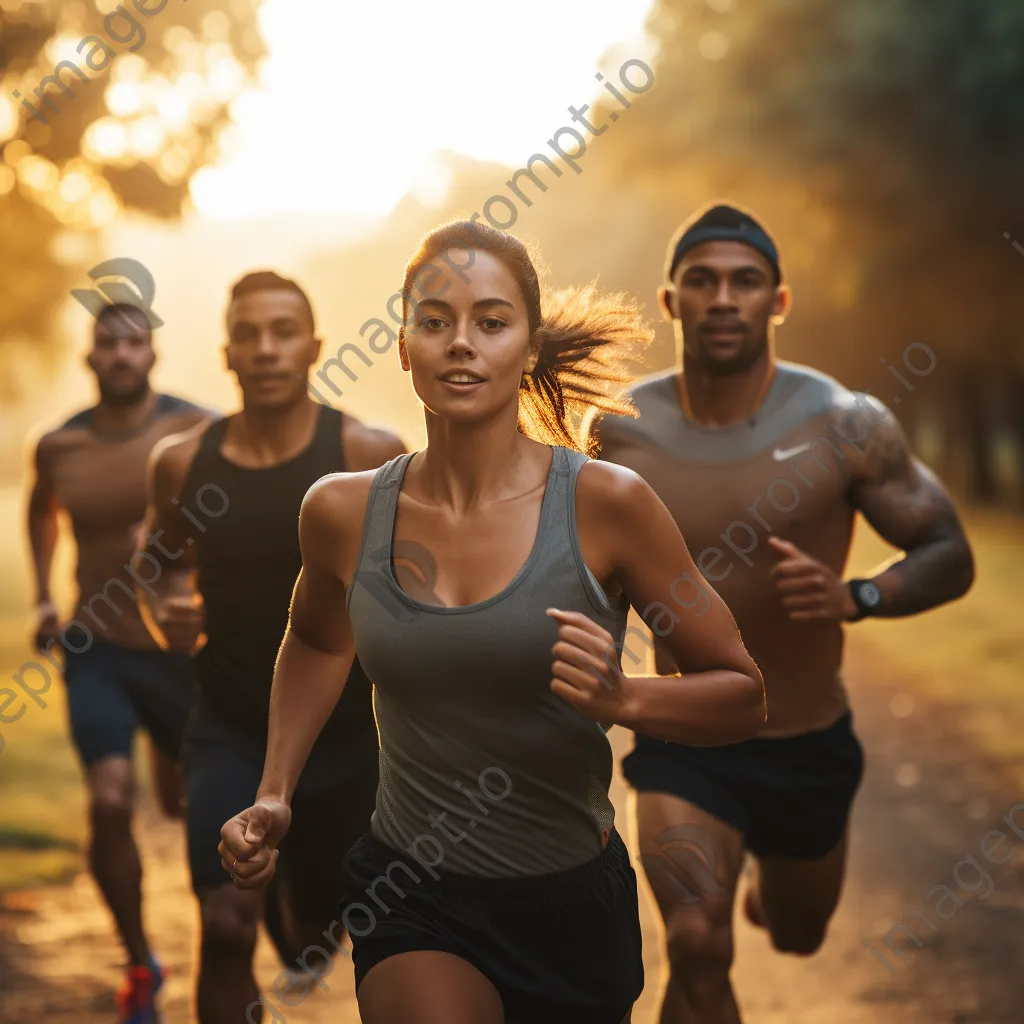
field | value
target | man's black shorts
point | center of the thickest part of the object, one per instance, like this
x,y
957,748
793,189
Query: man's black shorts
x,y
789,797
560,949
223,772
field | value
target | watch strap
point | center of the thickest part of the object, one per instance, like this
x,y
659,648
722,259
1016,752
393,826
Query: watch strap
x,y
864,609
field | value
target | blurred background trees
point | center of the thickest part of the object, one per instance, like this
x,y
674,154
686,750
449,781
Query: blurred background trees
x,y
882,141
129,137
904,120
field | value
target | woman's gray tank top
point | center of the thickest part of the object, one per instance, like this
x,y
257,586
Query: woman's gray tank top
x,y
482,768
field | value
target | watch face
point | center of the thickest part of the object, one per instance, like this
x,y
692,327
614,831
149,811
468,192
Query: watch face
x,y
870,595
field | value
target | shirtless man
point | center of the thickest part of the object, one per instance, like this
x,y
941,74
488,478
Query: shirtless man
x,y
247,475
93,467
764,466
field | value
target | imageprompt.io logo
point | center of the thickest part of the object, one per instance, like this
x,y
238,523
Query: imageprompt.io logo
x,y
414,569
121,280
685,869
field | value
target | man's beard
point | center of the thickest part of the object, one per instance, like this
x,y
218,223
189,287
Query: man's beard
x,y
738,364
125,395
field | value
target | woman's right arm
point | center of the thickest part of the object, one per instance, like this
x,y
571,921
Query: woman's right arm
x,y
318,650
312,667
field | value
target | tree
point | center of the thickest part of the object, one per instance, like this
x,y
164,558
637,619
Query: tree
x,y
104,107
887,138
904,118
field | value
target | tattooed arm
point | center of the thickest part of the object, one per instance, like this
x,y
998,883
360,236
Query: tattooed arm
x,y
907,506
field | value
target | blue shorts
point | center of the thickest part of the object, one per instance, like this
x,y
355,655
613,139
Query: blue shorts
x,y
113,690
789,797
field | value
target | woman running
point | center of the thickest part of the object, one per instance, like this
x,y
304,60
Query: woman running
x,y
492,885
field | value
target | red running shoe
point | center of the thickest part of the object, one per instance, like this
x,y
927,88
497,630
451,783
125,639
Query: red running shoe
x,y
136,999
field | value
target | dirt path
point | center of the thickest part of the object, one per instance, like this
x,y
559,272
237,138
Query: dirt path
x,y
928,800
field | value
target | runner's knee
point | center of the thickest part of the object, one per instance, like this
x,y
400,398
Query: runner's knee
x,y
699,944
700,957
110,807
110,783
229,927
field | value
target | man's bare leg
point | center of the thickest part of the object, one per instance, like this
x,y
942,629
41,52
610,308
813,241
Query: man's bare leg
x,y
168,783
113,855
692,863
795,899
227,986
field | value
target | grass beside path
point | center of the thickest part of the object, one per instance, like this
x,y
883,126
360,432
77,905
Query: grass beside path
x,y
969,654
42,807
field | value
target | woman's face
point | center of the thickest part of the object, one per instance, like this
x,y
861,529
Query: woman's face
x,y
467,348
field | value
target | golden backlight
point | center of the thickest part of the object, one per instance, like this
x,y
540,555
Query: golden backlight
x,y
356,97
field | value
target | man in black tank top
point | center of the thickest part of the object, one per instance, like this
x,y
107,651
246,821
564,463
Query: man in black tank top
x,y
764,466
227,498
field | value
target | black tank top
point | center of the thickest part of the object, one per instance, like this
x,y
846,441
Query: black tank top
x,y
248,559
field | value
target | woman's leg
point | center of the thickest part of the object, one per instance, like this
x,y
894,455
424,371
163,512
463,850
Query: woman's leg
x,y
428,987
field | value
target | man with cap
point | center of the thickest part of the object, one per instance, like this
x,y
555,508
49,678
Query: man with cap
x,y
764,465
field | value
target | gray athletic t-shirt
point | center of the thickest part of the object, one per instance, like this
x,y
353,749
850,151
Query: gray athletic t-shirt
x,y
482,767
785,472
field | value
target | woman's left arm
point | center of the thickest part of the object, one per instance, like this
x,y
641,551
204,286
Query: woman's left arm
x,y
629,537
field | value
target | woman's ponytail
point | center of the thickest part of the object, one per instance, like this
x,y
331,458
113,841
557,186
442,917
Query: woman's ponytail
x,y
584,343
583,340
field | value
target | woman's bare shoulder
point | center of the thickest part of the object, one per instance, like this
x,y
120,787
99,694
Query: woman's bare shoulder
x,y
614,492
335,507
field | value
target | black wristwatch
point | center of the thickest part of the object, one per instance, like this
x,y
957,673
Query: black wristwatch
x,y
866,596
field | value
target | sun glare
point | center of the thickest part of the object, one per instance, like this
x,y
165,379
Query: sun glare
x,y
343,124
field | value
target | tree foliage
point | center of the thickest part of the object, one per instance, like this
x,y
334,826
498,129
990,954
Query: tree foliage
x,y
140,109
899,123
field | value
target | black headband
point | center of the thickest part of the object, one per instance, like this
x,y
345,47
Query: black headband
x,y
747,234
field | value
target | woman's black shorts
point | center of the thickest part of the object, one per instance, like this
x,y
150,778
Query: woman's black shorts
x,y
563,948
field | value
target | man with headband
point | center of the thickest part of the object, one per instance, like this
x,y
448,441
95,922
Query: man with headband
x,y
764,465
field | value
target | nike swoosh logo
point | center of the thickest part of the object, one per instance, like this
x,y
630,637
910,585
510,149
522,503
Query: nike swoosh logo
x,y
781,454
